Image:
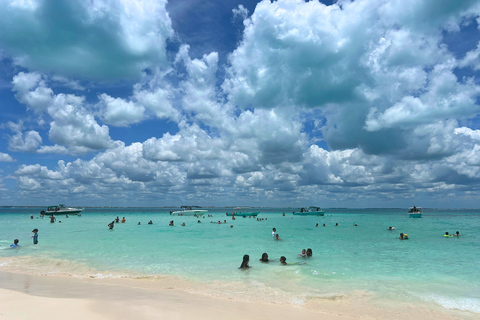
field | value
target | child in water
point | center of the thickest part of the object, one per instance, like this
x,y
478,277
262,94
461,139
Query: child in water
x,y
283,260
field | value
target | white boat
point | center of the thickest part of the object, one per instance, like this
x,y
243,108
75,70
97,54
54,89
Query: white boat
x,y
61,209
415,212
188,211
310,211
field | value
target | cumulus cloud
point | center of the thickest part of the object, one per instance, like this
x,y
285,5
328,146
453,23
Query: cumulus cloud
x,y
110,39
240,12
72,126
5,157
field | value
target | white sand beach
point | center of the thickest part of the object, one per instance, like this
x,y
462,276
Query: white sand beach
x,y
25,296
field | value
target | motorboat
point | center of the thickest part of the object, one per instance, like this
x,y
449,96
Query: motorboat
x,y
61,209
188,211
415,212
310,211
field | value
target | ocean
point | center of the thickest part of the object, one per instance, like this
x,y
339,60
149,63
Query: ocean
x,y
364,262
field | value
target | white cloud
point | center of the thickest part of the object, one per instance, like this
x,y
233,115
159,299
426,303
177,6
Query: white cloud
x,y
124,37
119,112
240,12
5,157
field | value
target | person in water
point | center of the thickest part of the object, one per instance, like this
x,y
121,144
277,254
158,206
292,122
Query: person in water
x,y
35,236
15,244
52,219
123,220
401,236
111,224
303,254
457,234
117,219
246,259
309,252
264,257
283,260
446,235
171,223
274,231
277,237
150,222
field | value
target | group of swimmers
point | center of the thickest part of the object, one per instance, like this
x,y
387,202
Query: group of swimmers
x,y
283,260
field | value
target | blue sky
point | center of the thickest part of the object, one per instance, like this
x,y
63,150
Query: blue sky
x,y
366,103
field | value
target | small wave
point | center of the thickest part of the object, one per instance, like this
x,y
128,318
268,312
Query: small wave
x,y
462,304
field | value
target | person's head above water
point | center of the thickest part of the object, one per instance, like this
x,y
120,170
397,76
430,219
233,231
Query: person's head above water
x,y
246,259
283,260
309,252
264,257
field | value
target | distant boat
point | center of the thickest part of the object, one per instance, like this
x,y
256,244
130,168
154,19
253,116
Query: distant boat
x,y
243,214
415,212
310,211
188,211
61,209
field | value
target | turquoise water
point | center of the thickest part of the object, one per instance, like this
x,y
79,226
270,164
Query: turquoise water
x,y
348,260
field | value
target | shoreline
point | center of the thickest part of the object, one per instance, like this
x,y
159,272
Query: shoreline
x,y
54,297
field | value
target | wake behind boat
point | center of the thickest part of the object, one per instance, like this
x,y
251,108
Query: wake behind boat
x,y
189,211
61,209
310,211
415,212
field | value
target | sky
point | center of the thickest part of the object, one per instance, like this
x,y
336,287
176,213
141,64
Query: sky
x,y
365,103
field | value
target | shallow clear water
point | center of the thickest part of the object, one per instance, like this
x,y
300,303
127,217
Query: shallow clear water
x,y
348,260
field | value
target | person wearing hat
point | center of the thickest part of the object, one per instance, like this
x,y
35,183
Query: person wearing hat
x,y
35,236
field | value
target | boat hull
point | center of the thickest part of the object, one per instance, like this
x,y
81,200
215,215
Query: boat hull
x,y
415,215
316,213
244,214
64,211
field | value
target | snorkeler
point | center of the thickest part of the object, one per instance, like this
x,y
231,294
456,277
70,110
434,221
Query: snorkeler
x,y
246,259
264,257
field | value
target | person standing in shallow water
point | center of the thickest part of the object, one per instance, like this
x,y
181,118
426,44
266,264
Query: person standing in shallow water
x,y
111,224
35,236
244,265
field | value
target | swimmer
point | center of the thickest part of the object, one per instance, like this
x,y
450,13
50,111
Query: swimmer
x,y
199,221
283,260
150,222
171,223
246,259
117,219
111,224
264,257
274,230
231,226
309,252
277,237
183,224
303,254
52,219
336,224
457,234
446,235
123,220
405,236
31,216
316,225
324,225
138,222
15,244
401,236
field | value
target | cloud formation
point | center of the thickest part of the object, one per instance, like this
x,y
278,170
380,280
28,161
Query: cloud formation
x,y
341,105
